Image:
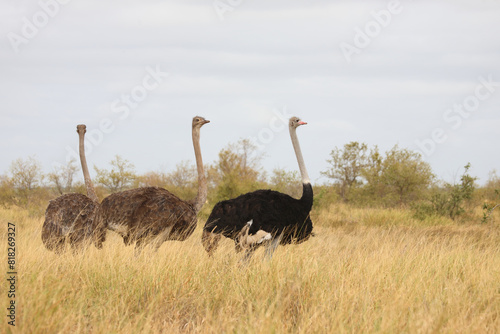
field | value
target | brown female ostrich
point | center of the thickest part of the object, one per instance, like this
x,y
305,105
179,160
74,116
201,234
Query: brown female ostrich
x,y
154,214
71,216
263,216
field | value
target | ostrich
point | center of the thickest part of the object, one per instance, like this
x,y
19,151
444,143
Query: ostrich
x,y
153,214
263,216
71,216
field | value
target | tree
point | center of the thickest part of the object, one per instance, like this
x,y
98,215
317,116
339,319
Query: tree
x,y
26,174
346,166
25,177
405,173
120,177
374,188
488,208
7,192
288,182
393,178
152,179
184,176
492,186
62,177
451,202
492,195
237,171
183,181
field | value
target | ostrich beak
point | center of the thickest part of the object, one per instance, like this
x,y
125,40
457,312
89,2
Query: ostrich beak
x,y
302,123
206,121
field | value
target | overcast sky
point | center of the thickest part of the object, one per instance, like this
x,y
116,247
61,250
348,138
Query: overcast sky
x,y
420,74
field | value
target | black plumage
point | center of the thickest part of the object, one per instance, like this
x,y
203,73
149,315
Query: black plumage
x,y
285,218
271,211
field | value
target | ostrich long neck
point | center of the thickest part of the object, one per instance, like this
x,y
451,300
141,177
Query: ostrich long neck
x,y
298,154
202,182
86,176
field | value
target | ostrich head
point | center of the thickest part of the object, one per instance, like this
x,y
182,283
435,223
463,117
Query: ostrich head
x,y
81,128
199,121
295,122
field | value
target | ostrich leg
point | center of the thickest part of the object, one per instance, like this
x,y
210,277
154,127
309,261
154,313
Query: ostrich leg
x,y
272,245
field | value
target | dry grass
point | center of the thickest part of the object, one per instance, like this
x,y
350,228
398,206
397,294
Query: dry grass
x,y
366,276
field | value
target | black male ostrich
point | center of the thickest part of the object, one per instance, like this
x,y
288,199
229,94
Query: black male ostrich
x,y
71,216
152,214
253,218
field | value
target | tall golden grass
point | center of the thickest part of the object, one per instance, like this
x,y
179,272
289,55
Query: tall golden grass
x,y
366,271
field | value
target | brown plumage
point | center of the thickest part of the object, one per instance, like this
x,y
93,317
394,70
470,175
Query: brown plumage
x,y
68,217
71,217
152,214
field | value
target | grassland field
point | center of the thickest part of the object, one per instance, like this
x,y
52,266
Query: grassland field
x,y
365,271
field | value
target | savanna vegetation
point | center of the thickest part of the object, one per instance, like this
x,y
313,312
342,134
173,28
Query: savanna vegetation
x,y
396,251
